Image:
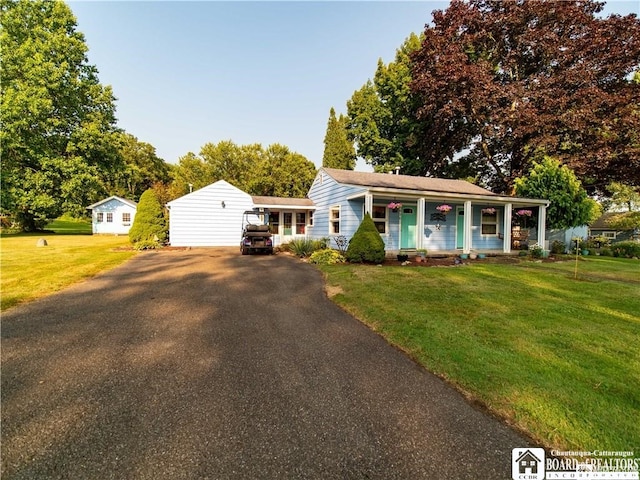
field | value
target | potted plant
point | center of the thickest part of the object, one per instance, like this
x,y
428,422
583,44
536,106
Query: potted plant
x,y
421,255
394,206
444,208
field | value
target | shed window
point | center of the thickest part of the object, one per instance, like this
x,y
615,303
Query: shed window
x,y
100,217
490,223
334,220
379,216
109,217
126,217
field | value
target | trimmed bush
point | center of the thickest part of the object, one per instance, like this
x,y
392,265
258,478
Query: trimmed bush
x,y
558,247
149,225
366,245
628,249
326,256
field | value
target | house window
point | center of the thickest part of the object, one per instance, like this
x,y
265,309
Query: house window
x,y
274,222
288,220
611,235
490,223
311,218
100,217
379,216
126,218
334,220
301,222
109,217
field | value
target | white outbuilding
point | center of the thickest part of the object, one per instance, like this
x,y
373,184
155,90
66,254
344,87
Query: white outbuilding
x,y
208,217
113,215
212,216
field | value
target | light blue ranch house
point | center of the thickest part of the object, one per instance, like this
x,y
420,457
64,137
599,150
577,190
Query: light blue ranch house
x,y
411,213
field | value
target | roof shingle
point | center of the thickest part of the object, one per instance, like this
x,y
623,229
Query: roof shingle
x,y
405,182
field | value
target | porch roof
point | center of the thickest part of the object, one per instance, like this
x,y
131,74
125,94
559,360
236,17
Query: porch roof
x,y
389,186
406,182
283,203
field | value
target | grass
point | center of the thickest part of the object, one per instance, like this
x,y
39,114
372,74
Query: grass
x,y
30,272
557,357
70,226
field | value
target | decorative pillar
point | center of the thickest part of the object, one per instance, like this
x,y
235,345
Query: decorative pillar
x,y
542,226
420,212
468,221
368,203
508,211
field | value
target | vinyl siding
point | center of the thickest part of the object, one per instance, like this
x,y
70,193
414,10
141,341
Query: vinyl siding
x,y
325,193
199,219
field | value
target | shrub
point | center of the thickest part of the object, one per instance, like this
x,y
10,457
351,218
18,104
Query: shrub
x,y
628,249
558,247
606,252
366,245
149,224
304,247
326,256
536,251
146,245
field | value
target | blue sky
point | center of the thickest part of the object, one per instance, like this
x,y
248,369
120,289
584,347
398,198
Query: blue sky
x,y
188,73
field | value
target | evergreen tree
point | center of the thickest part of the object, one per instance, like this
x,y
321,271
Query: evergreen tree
x,y
149,225
338,149
366,245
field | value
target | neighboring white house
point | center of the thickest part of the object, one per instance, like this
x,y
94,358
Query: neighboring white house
x,y
113,215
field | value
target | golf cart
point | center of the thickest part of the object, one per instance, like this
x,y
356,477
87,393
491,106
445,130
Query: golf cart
x,y
256,236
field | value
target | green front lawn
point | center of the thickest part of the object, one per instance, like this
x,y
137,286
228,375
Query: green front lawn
x,y
559,357
29,272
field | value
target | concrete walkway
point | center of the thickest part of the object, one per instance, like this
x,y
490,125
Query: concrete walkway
x,y
208,364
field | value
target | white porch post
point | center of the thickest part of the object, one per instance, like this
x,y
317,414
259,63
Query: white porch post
x,y
506,246
368,203
468,220
542,226
420,223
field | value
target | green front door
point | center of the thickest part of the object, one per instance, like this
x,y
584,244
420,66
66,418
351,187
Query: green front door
x,y
459,228
408,217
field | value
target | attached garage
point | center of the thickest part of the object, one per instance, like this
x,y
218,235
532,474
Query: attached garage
x,y
208,217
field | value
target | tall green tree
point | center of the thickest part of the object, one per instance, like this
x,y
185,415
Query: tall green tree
x,y
276,171
282,173
624,196
138,170
499,81
338,149
58,121
569,205
382,115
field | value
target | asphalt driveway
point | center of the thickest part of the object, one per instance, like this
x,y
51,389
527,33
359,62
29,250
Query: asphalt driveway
x,y
208,364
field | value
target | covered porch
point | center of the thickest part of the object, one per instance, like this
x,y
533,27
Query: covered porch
x,y
449,224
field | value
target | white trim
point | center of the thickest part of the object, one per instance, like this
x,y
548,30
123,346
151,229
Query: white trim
x,y
468,222
331,220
